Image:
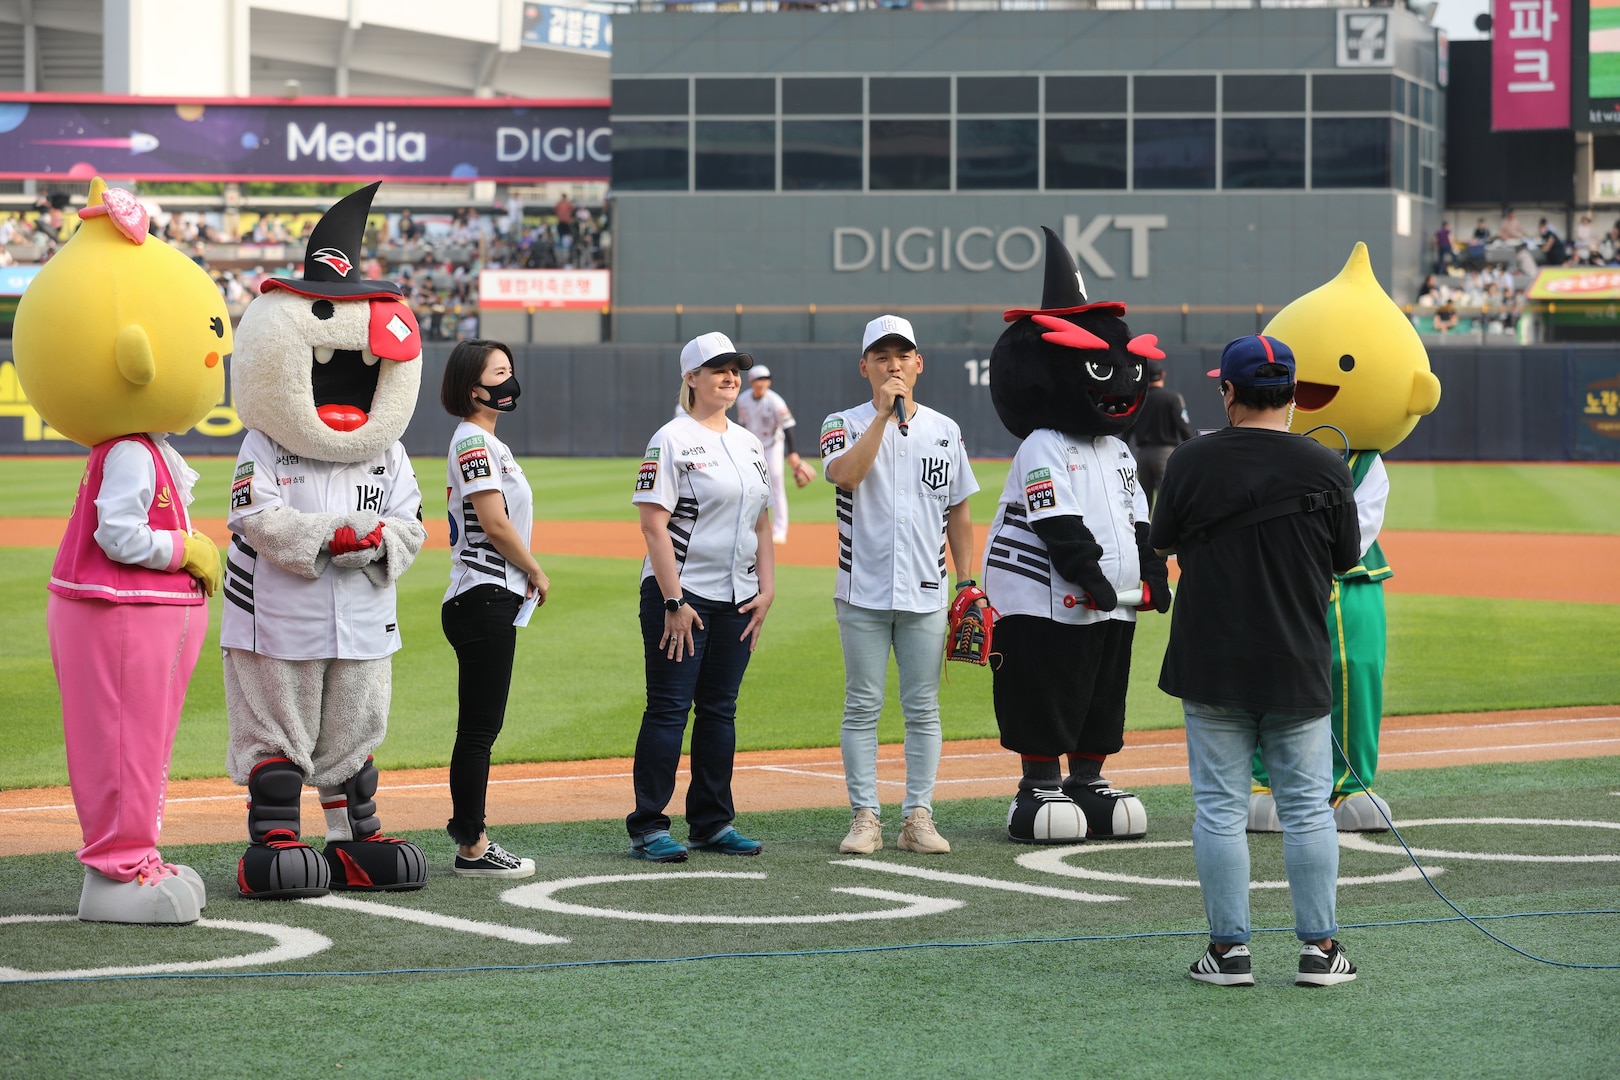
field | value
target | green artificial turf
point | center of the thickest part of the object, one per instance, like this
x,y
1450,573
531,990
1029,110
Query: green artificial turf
x,y
1603,78
1433,998
578,690
1573,497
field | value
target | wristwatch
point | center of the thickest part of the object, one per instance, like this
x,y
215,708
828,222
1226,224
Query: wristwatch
x,y
675,604
966,582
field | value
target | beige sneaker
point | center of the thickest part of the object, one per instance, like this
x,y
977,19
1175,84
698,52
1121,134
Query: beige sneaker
x,y
865,834
918,834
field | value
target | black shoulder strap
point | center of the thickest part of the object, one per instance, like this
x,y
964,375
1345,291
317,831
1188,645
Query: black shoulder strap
x,y
1297,504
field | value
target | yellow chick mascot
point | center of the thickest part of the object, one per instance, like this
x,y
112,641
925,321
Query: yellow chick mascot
x,y
1363,382
120,339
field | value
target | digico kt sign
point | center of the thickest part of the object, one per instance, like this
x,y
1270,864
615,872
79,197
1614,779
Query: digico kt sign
x,y
978,248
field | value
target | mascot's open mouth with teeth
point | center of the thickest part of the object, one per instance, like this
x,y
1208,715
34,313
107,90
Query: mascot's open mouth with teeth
x,y
1310,396
344,381
1118,406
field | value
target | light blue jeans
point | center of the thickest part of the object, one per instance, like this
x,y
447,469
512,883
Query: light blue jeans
x,y
1298,751
918,641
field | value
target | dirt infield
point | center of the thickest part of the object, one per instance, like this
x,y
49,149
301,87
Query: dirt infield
x,y
211,811
1507,566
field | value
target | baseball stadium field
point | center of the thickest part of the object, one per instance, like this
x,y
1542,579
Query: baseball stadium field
x,y
1500,761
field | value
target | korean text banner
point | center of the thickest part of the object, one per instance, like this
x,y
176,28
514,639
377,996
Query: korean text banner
x,y
1530,64
80,136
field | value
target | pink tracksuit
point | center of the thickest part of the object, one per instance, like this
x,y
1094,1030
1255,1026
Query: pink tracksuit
x,y
124,640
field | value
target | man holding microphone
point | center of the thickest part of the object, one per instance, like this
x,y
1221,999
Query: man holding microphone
x,y
903,480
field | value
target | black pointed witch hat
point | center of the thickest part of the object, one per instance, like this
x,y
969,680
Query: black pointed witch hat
x,y
332,260
1064,292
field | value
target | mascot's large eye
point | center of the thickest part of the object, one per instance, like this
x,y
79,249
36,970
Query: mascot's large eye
x,y
1346,362
217,325
1136,373
322,309
1100,372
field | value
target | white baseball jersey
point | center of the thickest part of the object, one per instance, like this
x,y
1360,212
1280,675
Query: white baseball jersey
x,y
341,614
481,462
1372,495
714,485
891,528
1052,476
767,417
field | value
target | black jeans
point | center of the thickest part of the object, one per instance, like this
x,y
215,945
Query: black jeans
x,y
708,679
478,625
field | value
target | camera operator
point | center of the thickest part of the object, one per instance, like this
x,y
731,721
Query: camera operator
x,y
1260,520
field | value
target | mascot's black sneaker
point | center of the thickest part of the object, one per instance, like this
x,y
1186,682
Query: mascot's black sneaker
x,y
1224,969
282,868
1319,968
1045,816
1111,814
376,864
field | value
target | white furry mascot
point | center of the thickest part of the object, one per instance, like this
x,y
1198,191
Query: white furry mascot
x,y
325,517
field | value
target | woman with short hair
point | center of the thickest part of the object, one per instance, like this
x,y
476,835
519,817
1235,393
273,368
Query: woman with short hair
x,y
704,495
491,573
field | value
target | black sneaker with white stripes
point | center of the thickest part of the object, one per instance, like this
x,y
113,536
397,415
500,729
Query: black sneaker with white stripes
x,y
1319,968
495,862
1224,969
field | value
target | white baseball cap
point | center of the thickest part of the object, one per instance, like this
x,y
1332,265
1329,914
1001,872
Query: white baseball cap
x,y
758,371
707,348
887,326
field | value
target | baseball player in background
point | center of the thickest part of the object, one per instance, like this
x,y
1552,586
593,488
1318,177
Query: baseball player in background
x,y
763,412
902,497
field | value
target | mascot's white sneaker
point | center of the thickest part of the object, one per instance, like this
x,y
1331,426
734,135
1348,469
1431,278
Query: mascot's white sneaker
x,y
169,900
1263,813
194,879
1359,812
1111,814
1045,816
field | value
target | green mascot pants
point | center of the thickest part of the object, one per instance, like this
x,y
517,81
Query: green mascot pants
x,y
1355,619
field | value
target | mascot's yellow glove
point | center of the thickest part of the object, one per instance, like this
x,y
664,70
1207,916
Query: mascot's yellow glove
x,y
202,562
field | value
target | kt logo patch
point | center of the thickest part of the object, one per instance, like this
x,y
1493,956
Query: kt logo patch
x,y
367,497
936,472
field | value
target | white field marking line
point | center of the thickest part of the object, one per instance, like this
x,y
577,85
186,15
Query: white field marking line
x,y
1358,842
1497,749
980,882
514,934
539,896
1051,861
291,943
807,772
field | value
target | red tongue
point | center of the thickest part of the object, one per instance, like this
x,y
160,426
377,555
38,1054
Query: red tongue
x,y
341,417
392,332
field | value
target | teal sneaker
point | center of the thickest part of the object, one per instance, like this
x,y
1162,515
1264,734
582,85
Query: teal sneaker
x,y
662,848
730,842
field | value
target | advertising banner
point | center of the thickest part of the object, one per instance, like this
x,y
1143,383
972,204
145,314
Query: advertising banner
x,y
78,136
550,26
543,288
1597,407
1530,64
1574,283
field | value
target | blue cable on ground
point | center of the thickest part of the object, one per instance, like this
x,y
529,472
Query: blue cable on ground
x,y
1427,880
785,954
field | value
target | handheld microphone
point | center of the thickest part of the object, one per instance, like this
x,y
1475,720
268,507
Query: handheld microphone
x,y
900,412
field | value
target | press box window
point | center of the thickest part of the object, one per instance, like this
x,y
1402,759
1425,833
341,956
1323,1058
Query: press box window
x,y
910,95
1263,153
976,94
1351,93
1175,154
993,154
826,97
1085,154
1086,93
1263,93
1350,152
1175,93
649,155
649,97
821,155
736,97
736,155
910,155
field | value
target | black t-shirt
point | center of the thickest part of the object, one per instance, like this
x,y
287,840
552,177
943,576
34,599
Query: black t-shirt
x,y
1249,627
1162,421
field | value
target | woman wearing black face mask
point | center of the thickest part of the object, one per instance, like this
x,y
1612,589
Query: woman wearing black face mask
x,y
491,572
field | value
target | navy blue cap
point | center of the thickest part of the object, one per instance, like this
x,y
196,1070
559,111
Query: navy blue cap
x,y
1246,355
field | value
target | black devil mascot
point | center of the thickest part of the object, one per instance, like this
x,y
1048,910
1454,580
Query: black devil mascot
x,y
1068,565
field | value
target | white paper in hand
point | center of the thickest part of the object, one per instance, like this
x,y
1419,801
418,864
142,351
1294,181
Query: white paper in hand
x,y
526,610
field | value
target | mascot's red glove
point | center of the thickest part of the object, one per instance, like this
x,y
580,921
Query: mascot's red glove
x,y
971,626
345,540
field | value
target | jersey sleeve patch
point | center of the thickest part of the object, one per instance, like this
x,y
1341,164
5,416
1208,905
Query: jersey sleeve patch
x,y
472,457
1038,491
833,435
242,486
647,476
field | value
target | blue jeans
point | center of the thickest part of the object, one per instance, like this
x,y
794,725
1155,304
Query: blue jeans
x,y
1298,751
707,678
918,640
